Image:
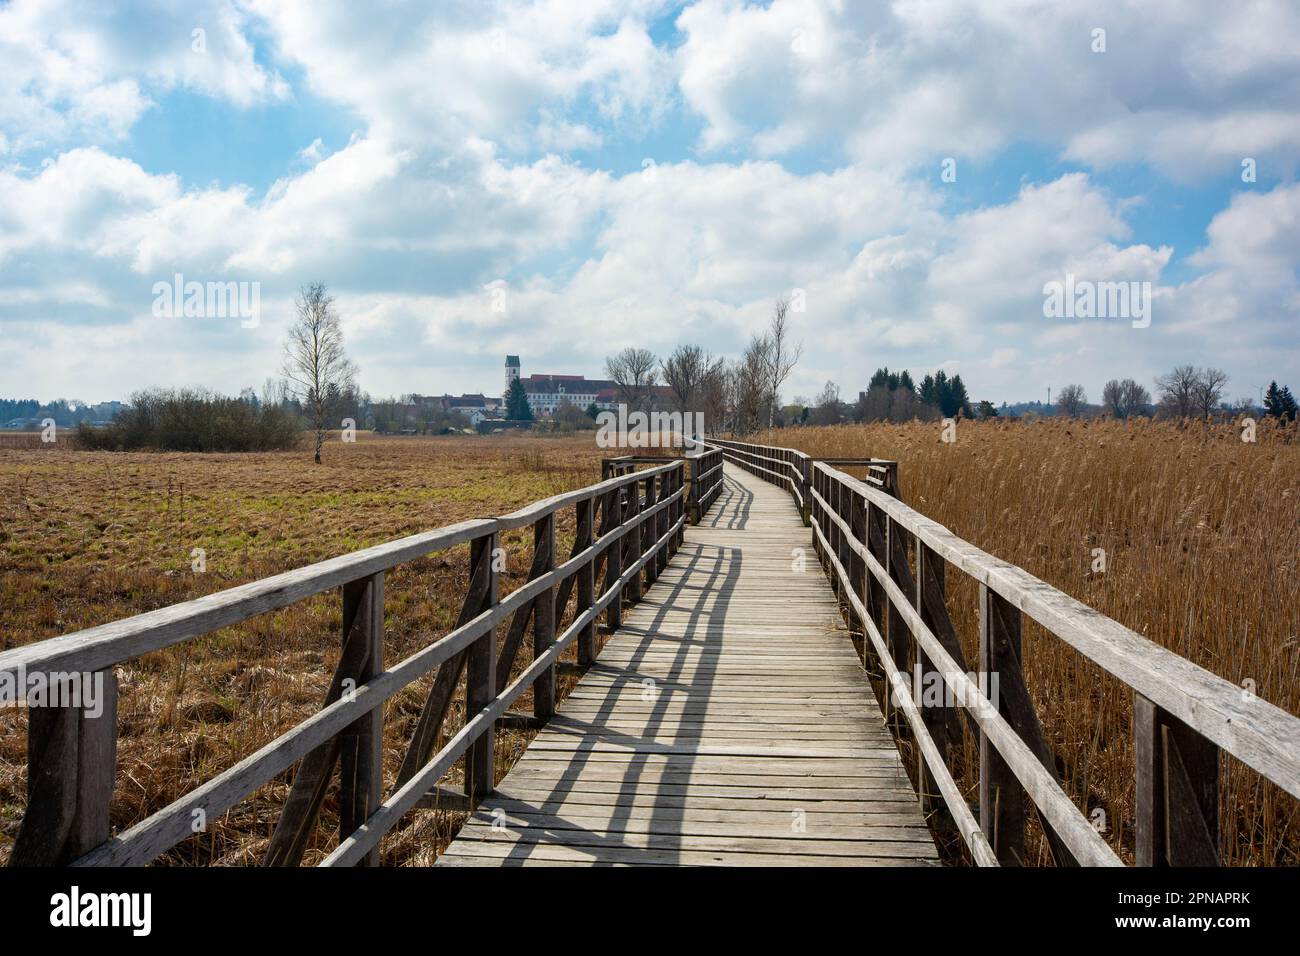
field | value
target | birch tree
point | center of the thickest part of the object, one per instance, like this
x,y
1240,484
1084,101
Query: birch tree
x,y
316,365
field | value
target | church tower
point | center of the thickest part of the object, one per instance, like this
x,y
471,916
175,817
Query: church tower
x,y
512,373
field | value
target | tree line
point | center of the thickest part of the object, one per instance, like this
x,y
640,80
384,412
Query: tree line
x,y
1184,392
739,395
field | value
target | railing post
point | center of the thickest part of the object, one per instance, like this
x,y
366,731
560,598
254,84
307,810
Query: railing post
x,y
938,719
693,507
480,676
1177,790
1002,800
361,754
817,513
898,637
844,510
71,763
544,619
804,468
857,566
664,522
614,558
633,540
679,482
651,534
586,585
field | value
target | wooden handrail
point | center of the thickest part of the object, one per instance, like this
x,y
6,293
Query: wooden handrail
x,y
348,726
1183,714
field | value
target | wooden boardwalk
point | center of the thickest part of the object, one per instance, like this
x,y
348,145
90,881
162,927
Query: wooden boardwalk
x,y
727,722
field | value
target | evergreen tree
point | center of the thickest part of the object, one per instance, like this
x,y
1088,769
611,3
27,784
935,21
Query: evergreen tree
x,y
592,411
1289,407
1279,402
928,391
517,409
958,400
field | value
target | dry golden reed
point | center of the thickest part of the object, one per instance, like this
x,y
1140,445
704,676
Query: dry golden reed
x,y
1201,533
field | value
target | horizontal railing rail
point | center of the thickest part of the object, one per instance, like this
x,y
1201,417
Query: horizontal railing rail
x,y
792,469
888,564
705,475
628,525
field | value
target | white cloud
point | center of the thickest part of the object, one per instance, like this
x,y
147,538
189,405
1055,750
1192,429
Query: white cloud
x,y
83,70
500,70
1188,87
469,171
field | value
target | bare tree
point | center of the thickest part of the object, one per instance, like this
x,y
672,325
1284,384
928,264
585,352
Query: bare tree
x,y
634,371
1178,391
1209,388
686,371
1124,399
827,409
715,395
1071,401
750,388
317,368
781,356
1112,398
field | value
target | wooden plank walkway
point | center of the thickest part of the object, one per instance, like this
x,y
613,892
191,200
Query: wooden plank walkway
x,y
727,722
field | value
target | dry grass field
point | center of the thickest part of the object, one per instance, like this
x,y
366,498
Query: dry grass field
x,y
89,537
1201,534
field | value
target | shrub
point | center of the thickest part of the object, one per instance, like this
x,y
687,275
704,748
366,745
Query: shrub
x,y
194,420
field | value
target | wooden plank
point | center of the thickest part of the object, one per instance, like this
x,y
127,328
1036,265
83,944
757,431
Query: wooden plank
x,y
613,559
480,853
544,611
1177,790
480,680
728,719
52,743
361,744
360,660
857,849
586,587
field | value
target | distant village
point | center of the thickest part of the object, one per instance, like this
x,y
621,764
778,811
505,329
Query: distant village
x,y
551,398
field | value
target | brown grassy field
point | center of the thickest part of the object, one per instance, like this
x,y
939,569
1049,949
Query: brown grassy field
x,y
89,537
1201,533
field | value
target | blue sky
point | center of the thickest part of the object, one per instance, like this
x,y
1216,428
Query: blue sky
x,y
645,173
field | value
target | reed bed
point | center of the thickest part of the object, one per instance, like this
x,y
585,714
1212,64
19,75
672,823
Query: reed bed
x,y
1201,536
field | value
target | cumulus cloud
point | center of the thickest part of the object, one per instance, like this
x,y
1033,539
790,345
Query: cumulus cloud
x,y
438,73
78,69
472,171
1187,87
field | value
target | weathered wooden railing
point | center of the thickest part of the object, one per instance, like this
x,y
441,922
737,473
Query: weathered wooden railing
x,y
705,475
631,523
793,469
888,563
